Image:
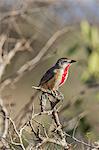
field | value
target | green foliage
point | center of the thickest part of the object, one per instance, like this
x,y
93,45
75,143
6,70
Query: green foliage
x,y
91,44
90,136
93,64
90,35
85,28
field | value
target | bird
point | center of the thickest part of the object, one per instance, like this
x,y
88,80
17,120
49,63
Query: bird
x,y
57,75
52,80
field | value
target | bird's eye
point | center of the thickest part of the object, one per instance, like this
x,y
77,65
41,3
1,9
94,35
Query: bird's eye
x,y
62,63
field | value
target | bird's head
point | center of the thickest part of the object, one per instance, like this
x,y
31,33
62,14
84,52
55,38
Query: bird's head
x,y
64,62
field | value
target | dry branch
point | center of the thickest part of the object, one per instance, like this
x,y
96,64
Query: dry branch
x,y
59,129
26,10
3,124
44,139
33,62
6,59
55,117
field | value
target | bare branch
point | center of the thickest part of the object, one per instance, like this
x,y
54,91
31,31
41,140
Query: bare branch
x,y
80,141
26,10
6,59
19,134
33,62
2,41
4,122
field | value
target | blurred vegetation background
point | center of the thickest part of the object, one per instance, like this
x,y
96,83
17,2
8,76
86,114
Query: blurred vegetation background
x,y
36,22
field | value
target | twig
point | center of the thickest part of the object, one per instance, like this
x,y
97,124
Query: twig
x,y
19,134
55,118
6,59
22,113
46,139
4,112
33,62
79,141
74,131
4,115
24,10
56,94
59,129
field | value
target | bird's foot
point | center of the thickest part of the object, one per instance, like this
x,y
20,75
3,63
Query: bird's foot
x,y
57,94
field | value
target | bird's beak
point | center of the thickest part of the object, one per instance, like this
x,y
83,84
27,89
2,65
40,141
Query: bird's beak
x,y
72,61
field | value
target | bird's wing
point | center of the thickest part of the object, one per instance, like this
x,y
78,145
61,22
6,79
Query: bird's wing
x,y
47,76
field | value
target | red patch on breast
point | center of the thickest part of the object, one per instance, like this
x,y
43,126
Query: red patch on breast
x,y
64,75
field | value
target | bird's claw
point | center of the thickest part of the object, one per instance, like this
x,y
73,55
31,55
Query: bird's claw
x,y
58,95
